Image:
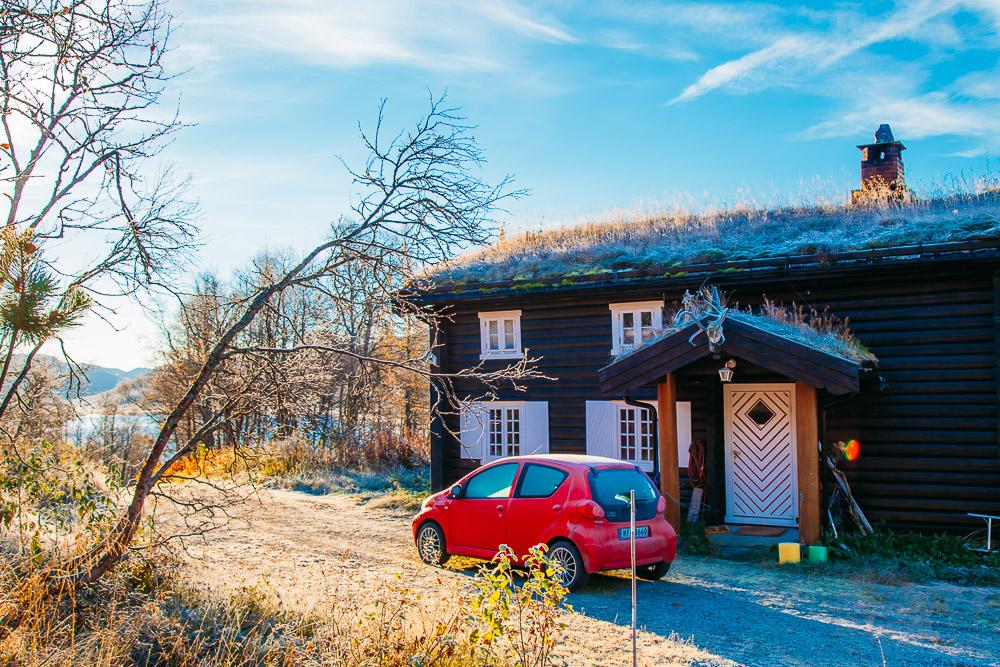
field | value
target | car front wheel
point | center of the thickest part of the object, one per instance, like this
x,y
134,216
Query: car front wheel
x,y
568,557
652,572
430,544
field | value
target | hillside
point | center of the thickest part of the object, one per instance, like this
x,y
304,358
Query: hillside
x,y
104,379
99,378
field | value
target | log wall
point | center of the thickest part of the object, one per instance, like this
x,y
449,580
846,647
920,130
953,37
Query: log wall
x,y
930,440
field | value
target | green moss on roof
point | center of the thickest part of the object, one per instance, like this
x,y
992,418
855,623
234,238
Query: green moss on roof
x,y
663,242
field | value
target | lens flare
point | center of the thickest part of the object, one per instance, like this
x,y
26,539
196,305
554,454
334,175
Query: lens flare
x,y
852,450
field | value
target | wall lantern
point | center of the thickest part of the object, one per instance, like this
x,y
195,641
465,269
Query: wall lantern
x,y
726,372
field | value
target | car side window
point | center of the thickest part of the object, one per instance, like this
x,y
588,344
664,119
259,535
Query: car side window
x,y
493,482
539,481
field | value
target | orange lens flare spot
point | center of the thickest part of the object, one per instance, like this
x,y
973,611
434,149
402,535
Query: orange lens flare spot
x,y
852,450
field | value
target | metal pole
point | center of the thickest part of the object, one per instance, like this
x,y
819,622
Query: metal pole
x,y
631,523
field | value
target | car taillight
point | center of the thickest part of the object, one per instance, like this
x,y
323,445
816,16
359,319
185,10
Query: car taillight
x,y
661,505
590,510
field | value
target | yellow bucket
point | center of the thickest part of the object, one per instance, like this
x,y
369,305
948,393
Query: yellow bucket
x,y
789,552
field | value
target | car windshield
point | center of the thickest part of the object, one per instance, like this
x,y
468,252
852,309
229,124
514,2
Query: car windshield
x,y
610,489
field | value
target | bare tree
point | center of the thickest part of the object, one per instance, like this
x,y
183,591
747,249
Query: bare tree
x,y
419,202
334,404
80,124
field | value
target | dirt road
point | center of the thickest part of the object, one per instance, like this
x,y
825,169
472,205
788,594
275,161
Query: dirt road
x,y
706,612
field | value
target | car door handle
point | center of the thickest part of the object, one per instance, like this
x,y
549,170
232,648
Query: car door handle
x,y
556,507
500,509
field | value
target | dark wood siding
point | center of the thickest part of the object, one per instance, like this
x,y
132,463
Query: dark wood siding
x,y
930,440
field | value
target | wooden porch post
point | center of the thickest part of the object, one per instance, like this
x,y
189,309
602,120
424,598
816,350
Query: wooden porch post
x,y
670,481
807,436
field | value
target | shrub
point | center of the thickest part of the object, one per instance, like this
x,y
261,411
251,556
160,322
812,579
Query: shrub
x,y
693,541
903,556
520,623
48,492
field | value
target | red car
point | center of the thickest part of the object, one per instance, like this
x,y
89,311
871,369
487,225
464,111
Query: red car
x,y
577,505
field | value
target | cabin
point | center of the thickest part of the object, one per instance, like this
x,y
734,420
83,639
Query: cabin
x,y
730,352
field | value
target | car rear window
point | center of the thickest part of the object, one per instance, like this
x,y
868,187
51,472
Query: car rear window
x,y
610,488
539,481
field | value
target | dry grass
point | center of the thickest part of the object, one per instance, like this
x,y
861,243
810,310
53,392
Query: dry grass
x,y
145,613
666,241
398,501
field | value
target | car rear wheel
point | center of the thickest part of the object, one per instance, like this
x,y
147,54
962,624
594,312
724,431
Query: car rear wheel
x,y
652,572
430,544
568,557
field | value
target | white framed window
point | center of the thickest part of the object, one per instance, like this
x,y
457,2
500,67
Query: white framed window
x,y
495,429
616,429
635,435
634,324
504,431
500,334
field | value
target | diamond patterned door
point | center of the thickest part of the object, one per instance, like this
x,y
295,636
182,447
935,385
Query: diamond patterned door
x,y
761,483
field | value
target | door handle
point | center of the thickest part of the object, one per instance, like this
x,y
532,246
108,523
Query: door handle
x,y
500,509
556,507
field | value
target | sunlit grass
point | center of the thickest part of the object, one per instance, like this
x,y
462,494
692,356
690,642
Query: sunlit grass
x,y
669,239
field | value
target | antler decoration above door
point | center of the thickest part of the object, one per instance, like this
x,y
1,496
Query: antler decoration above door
x,y
706,309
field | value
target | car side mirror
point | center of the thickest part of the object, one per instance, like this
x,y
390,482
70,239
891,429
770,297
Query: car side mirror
x,y
456,491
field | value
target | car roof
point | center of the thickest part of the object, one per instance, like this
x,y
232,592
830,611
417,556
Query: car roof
x,y
576,460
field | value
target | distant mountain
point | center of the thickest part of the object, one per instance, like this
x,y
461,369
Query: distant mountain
x,y
101,378
105,379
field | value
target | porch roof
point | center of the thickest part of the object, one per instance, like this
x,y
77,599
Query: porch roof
x,y
795,358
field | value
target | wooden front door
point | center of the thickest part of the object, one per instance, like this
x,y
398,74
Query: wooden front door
x,y
761,483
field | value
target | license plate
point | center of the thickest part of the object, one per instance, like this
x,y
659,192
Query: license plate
x,y
640,532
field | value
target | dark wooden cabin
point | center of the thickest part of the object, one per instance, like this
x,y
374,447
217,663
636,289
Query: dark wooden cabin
x,y
925,413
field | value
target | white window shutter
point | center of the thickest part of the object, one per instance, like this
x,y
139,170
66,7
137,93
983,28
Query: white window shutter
x,y
683,432
601,429
536,427
473,425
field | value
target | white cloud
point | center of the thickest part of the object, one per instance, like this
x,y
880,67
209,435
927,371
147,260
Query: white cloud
x,y
523,22
803,54
735,70
928,115
445,35
981,85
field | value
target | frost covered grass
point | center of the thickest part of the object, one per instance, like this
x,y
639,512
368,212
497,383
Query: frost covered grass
x,y
150,612
666,241
841,343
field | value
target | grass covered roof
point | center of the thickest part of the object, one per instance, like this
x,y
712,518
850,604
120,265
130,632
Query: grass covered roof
x,y
666,242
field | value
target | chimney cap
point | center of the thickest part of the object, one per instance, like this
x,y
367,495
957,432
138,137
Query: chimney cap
x,y
883,135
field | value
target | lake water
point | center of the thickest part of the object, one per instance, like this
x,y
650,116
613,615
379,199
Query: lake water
x,y
83,426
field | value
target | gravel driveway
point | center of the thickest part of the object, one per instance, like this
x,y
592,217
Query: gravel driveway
x,y
706,612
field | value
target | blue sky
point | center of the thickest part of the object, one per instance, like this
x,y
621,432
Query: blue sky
x,y
595,106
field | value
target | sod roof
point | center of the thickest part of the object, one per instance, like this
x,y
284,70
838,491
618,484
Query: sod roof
x,y
670,242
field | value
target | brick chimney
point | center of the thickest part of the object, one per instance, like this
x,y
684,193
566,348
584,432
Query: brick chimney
x,y
882,163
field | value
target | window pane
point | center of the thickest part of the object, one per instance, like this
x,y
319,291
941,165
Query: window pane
x,y
513,432
494,335
493,482
496,432
540,481
628,328
646,323
646,437
508,334
626,433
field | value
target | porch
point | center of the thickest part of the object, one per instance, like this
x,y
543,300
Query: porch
x,y
759,422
